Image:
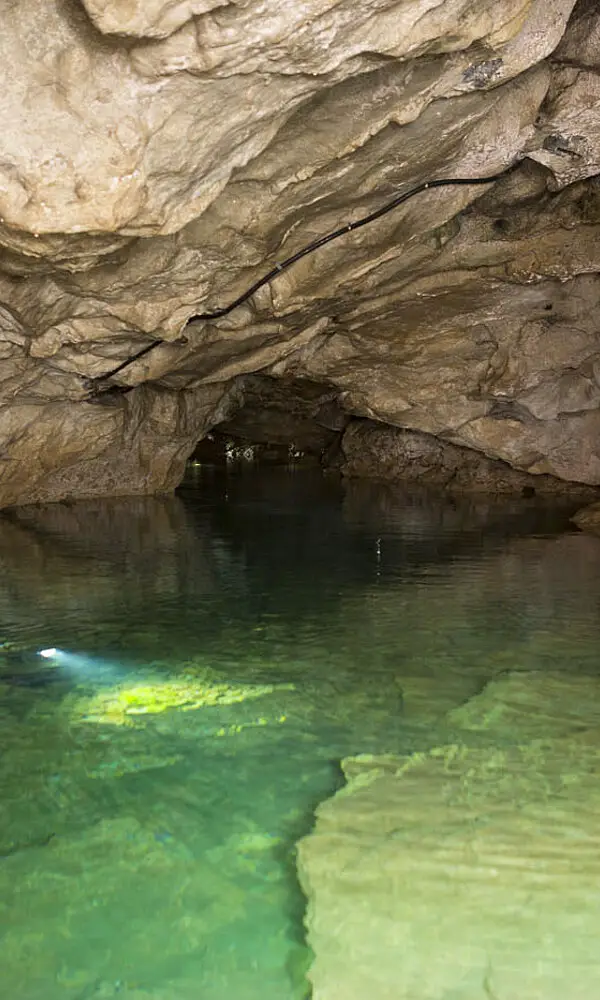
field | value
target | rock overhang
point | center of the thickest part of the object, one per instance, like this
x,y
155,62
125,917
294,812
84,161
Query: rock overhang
x,y
158,160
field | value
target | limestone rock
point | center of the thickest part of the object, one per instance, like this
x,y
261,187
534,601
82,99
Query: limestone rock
x,y
459,873
145,18
528,704
126,445
588,518
295,413
157,158
378,451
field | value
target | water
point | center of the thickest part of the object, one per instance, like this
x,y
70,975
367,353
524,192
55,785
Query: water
x,y
218,654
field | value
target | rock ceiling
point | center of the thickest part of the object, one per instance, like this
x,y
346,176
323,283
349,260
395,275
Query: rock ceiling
x,y
157,157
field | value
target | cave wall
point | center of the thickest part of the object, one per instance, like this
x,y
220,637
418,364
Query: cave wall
x,y
157,158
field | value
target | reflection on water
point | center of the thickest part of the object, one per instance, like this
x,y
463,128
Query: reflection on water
x,y
218,652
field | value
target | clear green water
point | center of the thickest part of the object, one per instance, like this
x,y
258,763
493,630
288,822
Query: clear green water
x,y
220,652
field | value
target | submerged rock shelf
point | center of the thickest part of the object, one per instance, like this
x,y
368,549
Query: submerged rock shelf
x,y
215,656
466,871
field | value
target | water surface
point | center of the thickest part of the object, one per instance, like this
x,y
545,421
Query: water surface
x,y
218,653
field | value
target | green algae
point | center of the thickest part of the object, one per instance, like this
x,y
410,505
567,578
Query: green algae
x,y
151,696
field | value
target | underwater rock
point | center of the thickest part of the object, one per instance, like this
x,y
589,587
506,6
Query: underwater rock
x,y
532,704
460,872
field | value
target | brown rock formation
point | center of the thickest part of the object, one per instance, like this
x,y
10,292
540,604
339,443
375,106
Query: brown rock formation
x,y
378,451
588,518
157,158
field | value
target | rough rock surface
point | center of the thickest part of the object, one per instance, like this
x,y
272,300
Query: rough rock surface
x,y
157,158
465,872
296,413
378,451
588,518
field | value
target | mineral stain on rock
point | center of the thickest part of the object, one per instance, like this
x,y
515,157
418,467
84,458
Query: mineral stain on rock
x,y
480,74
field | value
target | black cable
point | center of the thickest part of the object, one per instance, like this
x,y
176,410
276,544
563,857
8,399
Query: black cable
x,y
311,247
308,249
128,361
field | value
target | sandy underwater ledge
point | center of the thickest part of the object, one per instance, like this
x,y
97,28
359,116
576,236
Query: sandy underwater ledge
x,y
468,870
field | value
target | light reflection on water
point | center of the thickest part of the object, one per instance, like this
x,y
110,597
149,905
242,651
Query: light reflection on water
x,y
147,835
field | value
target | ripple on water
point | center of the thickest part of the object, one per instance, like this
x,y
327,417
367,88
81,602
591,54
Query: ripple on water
x,y
226,648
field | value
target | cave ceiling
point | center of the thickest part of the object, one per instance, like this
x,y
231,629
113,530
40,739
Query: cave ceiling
x,y
157,158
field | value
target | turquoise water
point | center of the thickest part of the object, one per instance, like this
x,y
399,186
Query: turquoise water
x,y
216,654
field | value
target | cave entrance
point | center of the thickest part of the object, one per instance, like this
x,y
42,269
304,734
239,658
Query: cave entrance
x,y
278,422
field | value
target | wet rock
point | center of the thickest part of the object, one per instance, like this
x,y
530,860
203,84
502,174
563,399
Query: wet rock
x,y
291,413
458,872
138,443
588,518
393,454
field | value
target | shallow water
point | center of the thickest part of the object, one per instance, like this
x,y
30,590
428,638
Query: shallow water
x,y
217,654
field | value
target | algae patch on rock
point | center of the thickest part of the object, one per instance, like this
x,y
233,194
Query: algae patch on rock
x,y
121,703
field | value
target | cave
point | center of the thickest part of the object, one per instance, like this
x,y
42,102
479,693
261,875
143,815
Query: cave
x,y
281,421
300,498
410,221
